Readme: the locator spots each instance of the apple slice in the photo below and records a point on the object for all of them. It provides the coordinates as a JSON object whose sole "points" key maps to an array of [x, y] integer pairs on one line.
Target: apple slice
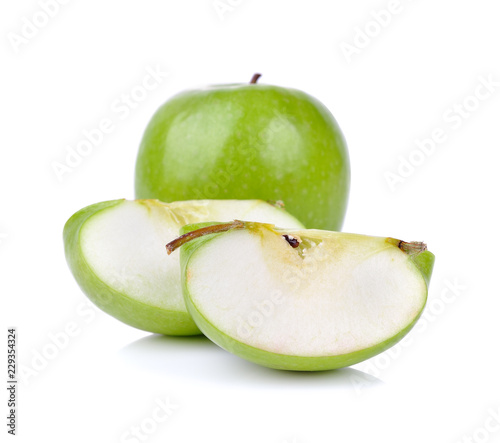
{"points": [[116, 251], [301, 300]]}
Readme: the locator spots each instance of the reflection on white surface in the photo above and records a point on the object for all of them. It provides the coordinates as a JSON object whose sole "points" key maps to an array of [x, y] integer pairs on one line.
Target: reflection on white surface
{"points": [[198, 358]]}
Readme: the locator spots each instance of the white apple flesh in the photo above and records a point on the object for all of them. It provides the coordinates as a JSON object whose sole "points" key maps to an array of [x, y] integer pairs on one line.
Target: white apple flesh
{"points": [[116, 251]]}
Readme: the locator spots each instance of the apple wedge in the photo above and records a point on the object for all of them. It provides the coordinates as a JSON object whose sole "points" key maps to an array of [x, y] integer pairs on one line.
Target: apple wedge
{"points": [[116, 251], [301, 300]]}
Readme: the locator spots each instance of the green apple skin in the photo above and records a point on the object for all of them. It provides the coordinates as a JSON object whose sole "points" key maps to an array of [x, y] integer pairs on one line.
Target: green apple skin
{"points": [[423, 264], [129, 311], [243, 142]]}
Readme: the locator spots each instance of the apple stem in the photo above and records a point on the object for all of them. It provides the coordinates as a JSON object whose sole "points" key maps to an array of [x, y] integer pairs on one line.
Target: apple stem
{"points": [[255, 78], [410, 248], [213, 229]]}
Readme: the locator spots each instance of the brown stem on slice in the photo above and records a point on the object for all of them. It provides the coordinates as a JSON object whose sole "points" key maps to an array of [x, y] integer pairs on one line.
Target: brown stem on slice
{"points": [[255, 78], [410, 248], [179, 241]]}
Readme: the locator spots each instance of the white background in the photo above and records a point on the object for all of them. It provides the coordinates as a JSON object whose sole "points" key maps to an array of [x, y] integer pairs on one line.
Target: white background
{"points": [[405, 83]]}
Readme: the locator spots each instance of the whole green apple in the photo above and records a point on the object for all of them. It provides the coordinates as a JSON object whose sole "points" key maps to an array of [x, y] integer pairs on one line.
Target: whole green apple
{"points": [[247, 141]]}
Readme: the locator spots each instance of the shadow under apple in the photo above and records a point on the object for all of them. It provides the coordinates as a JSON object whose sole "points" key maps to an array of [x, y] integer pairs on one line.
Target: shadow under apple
{"points": [[198, 358]]}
